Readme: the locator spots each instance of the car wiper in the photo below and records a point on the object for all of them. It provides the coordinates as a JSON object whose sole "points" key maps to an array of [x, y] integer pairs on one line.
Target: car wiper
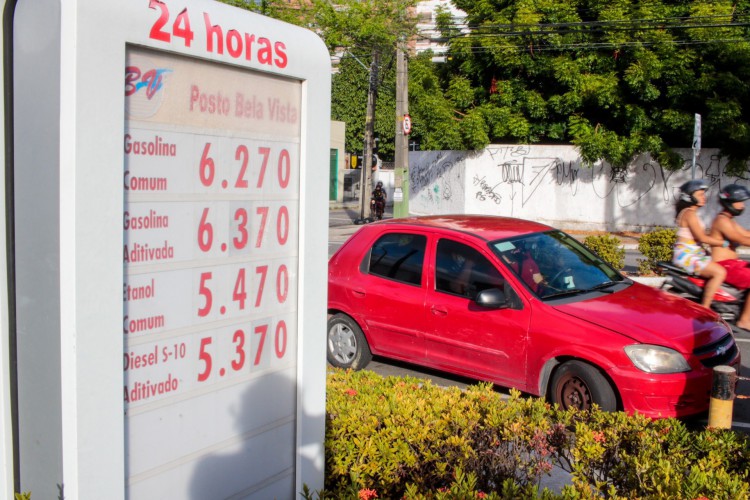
{"points": [[603, 286], [600, 287], [567, 293]]}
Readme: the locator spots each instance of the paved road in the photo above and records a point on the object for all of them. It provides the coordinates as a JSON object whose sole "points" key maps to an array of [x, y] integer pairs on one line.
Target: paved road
{"points": [[341, 227]]}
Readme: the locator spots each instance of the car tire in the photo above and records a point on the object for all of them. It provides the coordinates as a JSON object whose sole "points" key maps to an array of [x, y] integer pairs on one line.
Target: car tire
{"points": [[346, 344], [579, 385]]}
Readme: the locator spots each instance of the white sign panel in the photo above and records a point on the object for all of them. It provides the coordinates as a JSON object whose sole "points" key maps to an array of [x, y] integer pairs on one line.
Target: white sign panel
{"points": [[170, 175], [211, 183], [697, 133]]}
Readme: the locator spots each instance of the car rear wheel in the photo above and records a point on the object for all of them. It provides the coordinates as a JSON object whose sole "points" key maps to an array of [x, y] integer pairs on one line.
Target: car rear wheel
{"points": [[347, 346], [580, 385]]}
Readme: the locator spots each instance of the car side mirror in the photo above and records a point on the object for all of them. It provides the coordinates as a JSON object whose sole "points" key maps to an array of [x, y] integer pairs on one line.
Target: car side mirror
{"points": [[495, 298]]}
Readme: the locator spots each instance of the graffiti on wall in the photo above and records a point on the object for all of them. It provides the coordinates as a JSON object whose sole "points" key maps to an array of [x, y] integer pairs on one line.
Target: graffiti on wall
{"points": [[552, 183], [439, 182]]}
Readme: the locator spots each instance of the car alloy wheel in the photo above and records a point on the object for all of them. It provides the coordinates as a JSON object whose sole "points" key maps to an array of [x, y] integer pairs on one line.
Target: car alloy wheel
{"points": [[347, 346]]}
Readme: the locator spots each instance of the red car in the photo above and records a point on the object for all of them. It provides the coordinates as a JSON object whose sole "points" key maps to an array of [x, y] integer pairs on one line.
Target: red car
{"points": [[522, 305]]}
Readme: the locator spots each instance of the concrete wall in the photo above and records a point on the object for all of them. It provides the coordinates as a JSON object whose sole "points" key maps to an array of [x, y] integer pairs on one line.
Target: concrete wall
{"points": [[550, 184]]}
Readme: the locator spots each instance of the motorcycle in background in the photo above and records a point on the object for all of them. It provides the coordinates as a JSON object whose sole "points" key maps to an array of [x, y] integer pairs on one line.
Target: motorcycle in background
{"points": [[728, 301], [377, 207]]}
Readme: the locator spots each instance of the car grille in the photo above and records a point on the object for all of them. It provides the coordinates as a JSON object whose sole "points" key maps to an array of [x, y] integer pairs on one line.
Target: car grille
{"points": [[721, 352]]}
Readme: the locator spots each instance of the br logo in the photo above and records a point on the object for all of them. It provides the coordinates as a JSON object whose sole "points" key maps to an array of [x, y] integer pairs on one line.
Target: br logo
{"points": [[143, 86]]}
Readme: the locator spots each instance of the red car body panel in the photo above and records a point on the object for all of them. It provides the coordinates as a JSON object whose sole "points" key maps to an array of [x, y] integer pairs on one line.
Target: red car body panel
{"points": [[519, 347]]}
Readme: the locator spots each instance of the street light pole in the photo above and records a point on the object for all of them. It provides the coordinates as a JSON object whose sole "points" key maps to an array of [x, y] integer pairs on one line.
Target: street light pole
{"points": [[365, 184], [401, 168]]}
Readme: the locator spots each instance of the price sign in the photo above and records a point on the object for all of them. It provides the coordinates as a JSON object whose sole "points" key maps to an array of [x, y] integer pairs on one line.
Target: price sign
{"points": [[170, 280], [211, 183]]}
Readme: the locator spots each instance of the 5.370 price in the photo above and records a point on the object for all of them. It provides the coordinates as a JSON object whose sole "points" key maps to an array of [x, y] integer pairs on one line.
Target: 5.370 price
{"points": [[241, 355]]}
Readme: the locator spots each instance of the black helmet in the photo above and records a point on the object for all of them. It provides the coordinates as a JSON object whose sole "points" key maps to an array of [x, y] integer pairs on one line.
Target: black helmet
{"points": [[690, 187], [379, 184], [733, 193]]}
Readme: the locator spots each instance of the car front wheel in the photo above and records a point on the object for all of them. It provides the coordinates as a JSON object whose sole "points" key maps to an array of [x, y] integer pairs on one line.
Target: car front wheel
{"points": [[347, 346], [580, 385]]}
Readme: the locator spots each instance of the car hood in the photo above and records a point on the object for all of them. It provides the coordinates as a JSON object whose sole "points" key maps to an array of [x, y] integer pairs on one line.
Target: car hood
{"points": [[650, 316]]}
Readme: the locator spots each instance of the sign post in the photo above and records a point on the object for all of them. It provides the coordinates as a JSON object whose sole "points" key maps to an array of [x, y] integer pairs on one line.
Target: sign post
{"points": [[696, 143], [168, 250]]}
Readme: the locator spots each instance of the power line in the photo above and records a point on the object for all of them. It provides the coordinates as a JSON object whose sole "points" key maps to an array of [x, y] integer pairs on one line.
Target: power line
{"points": [[599, 45]]}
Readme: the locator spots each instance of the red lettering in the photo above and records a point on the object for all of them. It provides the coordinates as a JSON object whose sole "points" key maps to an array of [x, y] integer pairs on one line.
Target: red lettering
{"points": [[281, 59], [238, 44], [234, 43], [265, 53], [211, 31]]}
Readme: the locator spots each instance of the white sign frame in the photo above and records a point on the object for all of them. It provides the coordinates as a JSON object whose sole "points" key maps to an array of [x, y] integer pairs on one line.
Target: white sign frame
{"points": [[69, 119]]}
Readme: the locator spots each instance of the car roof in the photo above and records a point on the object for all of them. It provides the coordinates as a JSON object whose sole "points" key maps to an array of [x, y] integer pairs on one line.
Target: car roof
{"points": [[487, 227]]}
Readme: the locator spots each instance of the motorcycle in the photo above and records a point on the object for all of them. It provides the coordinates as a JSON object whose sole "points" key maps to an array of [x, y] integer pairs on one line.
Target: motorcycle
{"points": [[378, 206], [728, 301]]}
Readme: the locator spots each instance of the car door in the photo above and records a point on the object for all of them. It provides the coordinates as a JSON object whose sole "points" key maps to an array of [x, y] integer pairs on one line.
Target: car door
{"points": [[391, 295], [463, 337]]}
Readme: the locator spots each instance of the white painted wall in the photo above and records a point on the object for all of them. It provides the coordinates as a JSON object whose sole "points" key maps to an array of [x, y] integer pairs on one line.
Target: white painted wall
{"points": [[550, 184]]}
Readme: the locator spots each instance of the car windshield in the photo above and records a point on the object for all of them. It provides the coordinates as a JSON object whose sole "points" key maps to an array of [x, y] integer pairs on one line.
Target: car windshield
{"points": [[554, 265]]}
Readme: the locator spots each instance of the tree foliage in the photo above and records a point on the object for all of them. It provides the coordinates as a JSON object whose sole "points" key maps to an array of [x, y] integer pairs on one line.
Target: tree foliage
{"points": [[616, 78]]}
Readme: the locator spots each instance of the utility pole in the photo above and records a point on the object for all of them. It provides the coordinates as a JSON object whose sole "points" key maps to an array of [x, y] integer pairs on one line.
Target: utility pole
{"points": [[365, 183], [403, 127]]}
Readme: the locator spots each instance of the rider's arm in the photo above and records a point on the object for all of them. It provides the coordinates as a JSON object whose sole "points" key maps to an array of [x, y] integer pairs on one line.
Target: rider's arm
{"points": [[692, 222]]}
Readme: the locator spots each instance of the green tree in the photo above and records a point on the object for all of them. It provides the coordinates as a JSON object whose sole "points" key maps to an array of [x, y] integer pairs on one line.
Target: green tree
{"points": [[613, 77], [363, 35]]}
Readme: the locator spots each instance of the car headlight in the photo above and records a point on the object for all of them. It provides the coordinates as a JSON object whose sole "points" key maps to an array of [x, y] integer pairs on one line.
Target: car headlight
{"points": [[656, 359]]}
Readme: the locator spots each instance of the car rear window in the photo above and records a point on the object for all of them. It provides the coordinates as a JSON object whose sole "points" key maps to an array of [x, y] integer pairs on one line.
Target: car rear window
{"points": [[398, 256]]}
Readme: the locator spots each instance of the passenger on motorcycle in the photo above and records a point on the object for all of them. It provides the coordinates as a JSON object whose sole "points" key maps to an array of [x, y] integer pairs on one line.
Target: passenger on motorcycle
{"points": [[725, 227], [377, 201], [691, 235]]}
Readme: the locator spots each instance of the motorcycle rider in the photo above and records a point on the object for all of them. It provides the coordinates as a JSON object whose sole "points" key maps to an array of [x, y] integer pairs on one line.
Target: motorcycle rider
{"points": [[732, 199], [377, 200], [691, 235]]}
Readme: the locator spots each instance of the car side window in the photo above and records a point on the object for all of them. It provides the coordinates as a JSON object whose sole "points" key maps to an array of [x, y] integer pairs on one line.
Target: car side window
{"points": [[462, 270], [399, 256]]}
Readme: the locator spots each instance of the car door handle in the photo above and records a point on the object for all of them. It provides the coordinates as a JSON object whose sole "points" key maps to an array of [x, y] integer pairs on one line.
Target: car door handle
{"points": [[358, 292], [439, 311]]}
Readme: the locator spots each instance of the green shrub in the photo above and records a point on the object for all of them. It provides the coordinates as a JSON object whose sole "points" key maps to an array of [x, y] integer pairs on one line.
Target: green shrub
{"points": [[407, 438], [655, 246], [608, 248]]}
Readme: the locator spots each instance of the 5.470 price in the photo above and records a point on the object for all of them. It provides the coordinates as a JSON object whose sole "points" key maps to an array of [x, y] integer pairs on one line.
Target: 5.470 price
{"points": [[239, 292], [240, 355]]}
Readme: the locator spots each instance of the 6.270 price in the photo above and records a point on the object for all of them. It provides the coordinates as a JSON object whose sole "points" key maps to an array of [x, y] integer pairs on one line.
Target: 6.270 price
{"points": [[207, 167]]}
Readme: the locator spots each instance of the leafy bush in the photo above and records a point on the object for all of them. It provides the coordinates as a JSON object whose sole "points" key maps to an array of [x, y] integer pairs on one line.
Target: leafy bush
{"points": [[655, 246], [407, 438], [608, 248]]}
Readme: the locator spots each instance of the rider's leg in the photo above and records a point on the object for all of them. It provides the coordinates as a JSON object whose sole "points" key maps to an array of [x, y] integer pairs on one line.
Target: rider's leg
{"points": [[714, 274], [744, 320], [738, 275]]}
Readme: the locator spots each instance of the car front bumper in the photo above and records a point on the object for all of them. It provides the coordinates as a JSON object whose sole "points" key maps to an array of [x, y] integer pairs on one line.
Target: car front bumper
{"points": [[666, 395]]}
